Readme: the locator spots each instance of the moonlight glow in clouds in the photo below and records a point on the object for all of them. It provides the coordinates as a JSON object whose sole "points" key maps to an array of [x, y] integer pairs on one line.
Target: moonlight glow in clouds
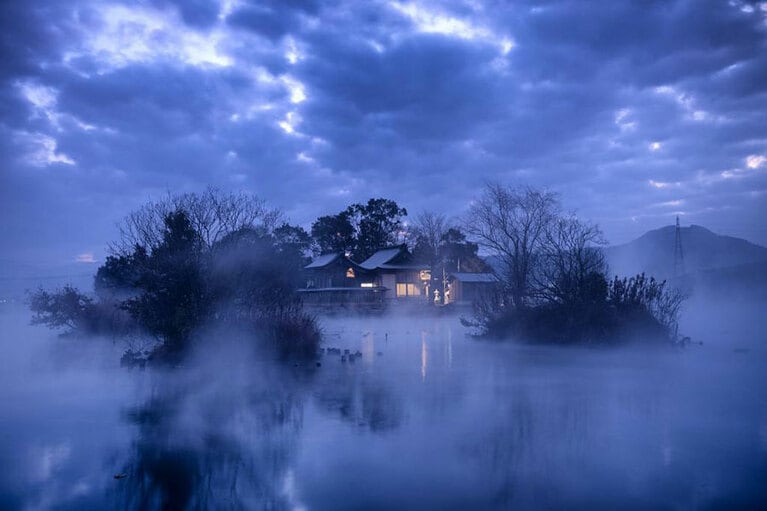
{"points": [[635, 113]]}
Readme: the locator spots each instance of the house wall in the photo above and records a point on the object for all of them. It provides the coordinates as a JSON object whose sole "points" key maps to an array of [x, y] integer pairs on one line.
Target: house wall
{"points": [[404, 284], [335, 275], [321, 279], [332, 298], [388, 280], [456, 291], [472, 291], [469, 292]]}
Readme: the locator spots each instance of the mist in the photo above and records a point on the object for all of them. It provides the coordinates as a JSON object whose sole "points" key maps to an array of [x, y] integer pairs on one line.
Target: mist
{"points": [[401, 254], [424, 417]]}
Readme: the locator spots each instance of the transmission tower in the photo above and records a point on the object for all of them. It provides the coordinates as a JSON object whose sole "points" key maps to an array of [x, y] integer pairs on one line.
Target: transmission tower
{"points": [[678, 253]]}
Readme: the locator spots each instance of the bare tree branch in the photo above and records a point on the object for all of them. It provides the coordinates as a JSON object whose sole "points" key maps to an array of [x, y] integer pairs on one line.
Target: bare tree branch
{"points": [[510, 223], [213, 214]]}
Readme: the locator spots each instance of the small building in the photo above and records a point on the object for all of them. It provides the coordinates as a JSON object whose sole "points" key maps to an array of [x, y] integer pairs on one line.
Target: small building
{"points": [[397, 273], [469, 288]]}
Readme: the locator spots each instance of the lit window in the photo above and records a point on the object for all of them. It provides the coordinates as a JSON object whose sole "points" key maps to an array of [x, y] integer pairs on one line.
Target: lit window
{"points": [[366, 284], [406, 289], [350, 273]]}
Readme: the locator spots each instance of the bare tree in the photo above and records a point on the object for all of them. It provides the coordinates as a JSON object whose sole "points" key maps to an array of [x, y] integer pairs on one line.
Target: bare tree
{"points": [[426, 233], [511, 224], [212, 213], [572, 264]]}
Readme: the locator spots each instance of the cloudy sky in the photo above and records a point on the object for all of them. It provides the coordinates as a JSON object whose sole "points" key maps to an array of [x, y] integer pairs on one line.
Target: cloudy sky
{"points": [[633, 111]]}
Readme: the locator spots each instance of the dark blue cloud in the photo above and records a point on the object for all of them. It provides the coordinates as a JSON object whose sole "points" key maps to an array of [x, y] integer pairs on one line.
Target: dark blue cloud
{"points": [[272, 19], [196, 13], [633, 111]]}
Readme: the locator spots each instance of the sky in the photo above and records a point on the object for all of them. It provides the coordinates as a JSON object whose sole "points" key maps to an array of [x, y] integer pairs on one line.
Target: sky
{"points": [[633, 111]]}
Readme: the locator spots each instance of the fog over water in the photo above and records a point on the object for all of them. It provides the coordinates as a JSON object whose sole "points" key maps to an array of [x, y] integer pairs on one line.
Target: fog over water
{"points": [[426, 417]]}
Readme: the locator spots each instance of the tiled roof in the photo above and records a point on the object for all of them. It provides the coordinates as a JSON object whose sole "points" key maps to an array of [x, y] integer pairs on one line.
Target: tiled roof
{"points": [[380, 258], [322, 261]]}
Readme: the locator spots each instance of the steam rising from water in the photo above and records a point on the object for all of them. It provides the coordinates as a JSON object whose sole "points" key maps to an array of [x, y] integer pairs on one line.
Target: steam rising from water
{"points": [[424, 418]]}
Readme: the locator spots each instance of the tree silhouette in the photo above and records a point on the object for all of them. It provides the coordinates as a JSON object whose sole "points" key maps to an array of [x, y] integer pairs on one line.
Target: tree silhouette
{"points": [[360, 229]]}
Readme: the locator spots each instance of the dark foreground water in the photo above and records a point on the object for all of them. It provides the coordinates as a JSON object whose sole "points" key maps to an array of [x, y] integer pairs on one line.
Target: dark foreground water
{"points": [[425, 418]]}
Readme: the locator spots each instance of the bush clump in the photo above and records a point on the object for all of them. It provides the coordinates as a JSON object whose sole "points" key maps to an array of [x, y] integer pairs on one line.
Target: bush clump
{"points": [[628, 309]]}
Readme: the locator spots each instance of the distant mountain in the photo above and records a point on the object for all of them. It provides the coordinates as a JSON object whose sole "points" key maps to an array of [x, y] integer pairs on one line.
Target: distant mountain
{"points": [[653, 252]]}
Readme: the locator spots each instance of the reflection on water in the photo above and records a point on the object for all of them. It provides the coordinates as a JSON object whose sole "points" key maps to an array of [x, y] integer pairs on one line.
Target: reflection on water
{"points": [[424, 356], [423, 418], [229, 444]]}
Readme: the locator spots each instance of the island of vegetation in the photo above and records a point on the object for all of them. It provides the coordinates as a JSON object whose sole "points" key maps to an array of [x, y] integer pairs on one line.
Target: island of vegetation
{"points": [[194, 261], [555, 284]]}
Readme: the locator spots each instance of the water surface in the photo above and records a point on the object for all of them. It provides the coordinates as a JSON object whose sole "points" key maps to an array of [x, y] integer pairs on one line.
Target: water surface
{"points": [[425, 417]]}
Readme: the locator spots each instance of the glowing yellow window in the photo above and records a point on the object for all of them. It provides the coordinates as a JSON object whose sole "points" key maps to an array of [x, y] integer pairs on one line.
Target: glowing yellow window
{"points": [[408, 289], [350, 273]]}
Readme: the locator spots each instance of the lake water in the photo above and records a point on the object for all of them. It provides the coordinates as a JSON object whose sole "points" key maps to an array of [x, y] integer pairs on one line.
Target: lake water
{"points": [[424, 418]]}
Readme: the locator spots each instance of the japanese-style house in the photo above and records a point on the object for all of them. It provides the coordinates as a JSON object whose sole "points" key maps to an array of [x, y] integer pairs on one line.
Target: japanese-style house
{"points": [[389, 274]]}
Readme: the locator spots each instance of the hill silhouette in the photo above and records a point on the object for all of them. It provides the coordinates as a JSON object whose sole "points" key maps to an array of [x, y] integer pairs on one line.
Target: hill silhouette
{"points": [[704, 250]]}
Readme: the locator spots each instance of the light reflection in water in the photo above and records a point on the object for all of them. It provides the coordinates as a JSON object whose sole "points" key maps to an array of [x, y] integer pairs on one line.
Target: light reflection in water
{"points": [[368, 348], [497, 426], [424, 356]]}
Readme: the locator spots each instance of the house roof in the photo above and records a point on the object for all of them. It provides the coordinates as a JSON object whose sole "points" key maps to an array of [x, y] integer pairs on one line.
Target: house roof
{"points": [[381, 257], [404, 267], [475, 277], [322, 261]]}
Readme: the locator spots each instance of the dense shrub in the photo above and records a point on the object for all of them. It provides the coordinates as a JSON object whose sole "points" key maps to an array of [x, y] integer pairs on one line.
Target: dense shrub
{"points": [[66, 308], [293, 333], [70, 310], [629, 309]]}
